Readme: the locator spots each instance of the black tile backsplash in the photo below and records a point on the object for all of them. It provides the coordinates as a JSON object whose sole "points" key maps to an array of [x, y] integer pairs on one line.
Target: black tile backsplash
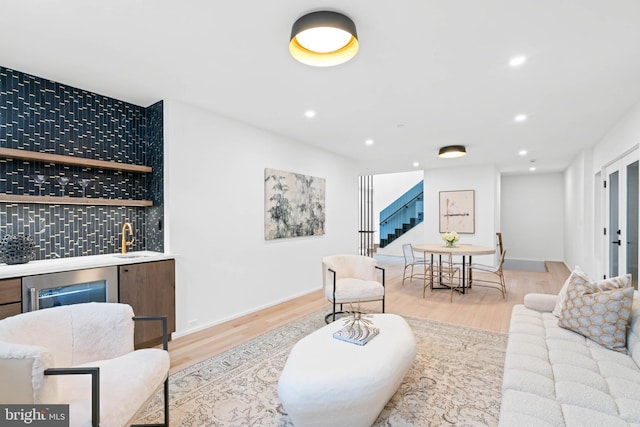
{"points": [[155, 192], [48, 117]]}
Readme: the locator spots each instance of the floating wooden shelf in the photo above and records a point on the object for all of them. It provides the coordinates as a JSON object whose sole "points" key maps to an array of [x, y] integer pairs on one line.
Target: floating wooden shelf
{"points": [[11, 153], [52, 200]]}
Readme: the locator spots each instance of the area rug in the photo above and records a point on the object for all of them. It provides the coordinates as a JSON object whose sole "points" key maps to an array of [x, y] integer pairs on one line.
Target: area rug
{"points": [[455, 380]]}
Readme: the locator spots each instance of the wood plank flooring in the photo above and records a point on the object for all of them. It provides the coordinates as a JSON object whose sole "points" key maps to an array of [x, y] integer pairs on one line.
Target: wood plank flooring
{"points": [[482, 308]]}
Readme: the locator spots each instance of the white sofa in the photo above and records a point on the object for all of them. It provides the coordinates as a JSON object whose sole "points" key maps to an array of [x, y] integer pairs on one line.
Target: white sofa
{"points": [[555, 377], [79, 336]]}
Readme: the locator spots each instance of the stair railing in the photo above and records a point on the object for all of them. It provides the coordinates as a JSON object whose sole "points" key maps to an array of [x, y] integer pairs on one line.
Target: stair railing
{"points": [[403, 214]]}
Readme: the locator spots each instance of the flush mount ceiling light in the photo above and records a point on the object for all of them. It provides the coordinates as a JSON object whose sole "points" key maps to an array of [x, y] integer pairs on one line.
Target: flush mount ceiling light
{"points": [[451, 151], [323, 39]]}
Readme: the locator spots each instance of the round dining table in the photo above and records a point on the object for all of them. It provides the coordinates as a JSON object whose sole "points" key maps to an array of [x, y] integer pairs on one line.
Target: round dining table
{"points": [[460, 249]]}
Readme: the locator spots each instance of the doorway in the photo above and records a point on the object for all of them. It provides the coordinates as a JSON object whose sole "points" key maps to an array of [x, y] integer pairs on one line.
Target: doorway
{"points": [[621, 211]]}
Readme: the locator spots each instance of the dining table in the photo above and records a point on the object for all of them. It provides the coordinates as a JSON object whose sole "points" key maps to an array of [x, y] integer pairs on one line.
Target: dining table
{"points": [[460, 249]]}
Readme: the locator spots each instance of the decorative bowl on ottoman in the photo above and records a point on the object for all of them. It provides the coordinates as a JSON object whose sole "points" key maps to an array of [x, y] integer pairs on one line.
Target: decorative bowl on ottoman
{"points": [[329, 382], [16, 249]]}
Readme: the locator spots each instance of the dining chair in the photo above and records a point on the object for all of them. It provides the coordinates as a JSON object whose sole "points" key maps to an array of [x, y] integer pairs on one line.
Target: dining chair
{"points": [[443, 271], [494, 277], [411, 261], [499, 242]]}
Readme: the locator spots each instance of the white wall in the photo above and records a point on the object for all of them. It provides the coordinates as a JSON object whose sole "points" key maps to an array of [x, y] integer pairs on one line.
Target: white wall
{"points": [[214, 196], [484, 180], [584, 238], [622, 138], [580, 214], [532, 216]]}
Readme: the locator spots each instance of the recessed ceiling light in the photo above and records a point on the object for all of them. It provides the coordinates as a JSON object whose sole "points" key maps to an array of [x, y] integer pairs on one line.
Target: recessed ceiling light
{"points": [[517, 61], [309, 114], [532, 168], [416, 164], [520, 118], [369, 141], [522, 152]]}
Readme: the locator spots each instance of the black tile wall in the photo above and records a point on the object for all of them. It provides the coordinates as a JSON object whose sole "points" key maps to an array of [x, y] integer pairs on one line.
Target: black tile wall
{"points": [[45, 116], [69, 231], [155, 159]]}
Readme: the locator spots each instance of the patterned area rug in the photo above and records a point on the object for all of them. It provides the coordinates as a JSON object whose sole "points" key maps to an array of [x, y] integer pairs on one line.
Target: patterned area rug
{"points": [[455, 380]]}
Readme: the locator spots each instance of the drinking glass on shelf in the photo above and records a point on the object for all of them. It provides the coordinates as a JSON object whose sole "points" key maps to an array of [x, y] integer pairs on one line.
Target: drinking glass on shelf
{"points": [[84, 183], [63, 181], [39, 180]]}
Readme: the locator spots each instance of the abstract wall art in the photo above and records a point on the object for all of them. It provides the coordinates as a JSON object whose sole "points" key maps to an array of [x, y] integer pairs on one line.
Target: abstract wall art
{"points": [[457, 211], [294, 205]]}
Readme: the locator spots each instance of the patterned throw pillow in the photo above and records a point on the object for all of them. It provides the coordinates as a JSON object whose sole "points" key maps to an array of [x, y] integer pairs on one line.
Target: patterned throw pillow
{"points": [[599, 310], [577, 273]]}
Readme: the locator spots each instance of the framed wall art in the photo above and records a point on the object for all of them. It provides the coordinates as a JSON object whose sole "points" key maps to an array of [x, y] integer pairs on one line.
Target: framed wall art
{"points": [[294, 205], [457, 211]]}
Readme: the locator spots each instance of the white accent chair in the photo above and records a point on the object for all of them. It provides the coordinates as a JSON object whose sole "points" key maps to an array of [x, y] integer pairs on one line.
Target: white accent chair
{"points": [[351, 279], [81, 355]]}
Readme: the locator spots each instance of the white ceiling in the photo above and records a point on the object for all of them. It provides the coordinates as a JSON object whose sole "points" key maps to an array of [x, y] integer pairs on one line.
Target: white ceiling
{"points": [[429, 73]]}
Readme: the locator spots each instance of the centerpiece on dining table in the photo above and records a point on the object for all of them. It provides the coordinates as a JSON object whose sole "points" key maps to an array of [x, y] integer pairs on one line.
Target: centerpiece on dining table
{"points": [[450, 238]]}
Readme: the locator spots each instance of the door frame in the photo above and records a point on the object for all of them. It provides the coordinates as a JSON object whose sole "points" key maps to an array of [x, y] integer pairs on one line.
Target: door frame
{"points": [[619, 165]]}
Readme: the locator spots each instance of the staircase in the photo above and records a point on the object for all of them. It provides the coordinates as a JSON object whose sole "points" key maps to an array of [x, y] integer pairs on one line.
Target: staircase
{"points": [[402, 215]]}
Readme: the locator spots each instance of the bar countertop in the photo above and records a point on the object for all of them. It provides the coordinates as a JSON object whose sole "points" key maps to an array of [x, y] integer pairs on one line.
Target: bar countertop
{"points": [[78, 263]]}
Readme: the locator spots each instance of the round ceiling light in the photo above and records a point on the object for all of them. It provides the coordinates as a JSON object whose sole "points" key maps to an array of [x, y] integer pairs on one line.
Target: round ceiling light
{"points": [[517, 61], [452, 151], [323, 39]]}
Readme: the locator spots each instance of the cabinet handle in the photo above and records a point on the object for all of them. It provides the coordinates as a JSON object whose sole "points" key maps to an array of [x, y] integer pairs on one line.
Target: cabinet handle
{"points": [[126, 270], [33, 299]]}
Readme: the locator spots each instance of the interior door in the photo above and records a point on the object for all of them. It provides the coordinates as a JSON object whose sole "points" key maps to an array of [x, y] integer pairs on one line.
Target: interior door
{"points": [[622, 203]]}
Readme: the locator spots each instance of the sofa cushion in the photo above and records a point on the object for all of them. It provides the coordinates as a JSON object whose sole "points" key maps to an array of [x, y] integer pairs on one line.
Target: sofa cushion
{"points": [[127, 384], [355, 290], [601, 315], [633, 334], [540, 302]]}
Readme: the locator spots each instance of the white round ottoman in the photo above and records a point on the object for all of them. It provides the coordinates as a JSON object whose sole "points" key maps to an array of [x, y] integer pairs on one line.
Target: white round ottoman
{"points": [[328, 382]]}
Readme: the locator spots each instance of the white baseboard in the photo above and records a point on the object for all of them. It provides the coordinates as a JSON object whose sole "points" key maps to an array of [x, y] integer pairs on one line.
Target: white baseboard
{"points": [[198, 328]]}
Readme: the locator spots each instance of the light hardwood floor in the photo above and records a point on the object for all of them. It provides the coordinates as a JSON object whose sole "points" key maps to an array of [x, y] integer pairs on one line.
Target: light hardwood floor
{"points": [[482, 308]]}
